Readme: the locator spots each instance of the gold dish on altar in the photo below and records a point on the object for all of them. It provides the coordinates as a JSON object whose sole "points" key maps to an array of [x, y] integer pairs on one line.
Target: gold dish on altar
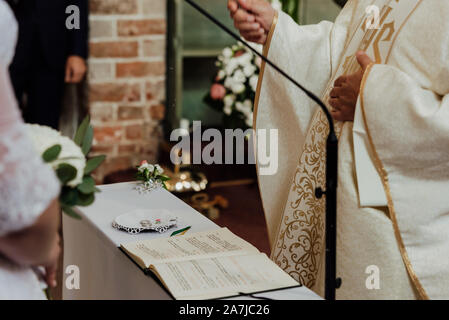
{"points": [[186, 181]]}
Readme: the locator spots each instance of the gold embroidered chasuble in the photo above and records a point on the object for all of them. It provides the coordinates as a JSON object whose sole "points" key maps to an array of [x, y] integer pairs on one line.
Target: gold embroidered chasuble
{"points": [[403, 102]]}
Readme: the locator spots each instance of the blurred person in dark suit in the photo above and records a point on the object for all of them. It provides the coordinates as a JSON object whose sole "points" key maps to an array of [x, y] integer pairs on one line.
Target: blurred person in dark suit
{"points": [[47, 55]]}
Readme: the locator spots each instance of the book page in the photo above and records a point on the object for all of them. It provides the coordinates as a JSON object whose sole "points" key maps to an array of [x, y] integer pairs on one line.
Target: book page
{"points": [[222, 276], [209, 244]]}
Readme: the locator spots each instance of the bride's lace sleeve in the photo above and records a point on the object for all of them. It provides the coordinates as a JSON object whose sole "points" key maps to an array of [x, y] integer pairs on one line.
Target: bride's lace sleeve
{"points": [[8, 25], [27, 185]]}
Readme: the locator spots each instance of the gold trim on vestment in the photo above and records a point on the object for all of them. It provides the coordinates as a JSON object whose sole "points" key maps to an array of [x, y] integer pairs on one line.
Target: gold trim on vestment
{"points": [[384, 177]]}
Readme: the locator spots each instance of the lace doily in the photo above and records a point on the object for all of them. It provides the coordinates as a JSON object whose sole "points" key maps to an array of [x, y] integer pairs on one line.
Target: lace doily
{"points": [[161, 229], [145, 220]]}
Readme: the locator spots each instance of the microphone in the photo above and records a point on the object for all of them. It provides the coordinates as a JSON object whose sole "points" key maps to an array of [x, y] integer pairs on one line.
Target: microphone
{"points": [[331, 281]]}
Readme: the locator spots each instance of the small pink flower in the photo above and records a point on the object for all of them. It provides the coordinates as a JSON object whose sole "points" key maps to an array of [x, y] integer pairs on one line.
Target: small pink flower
{"points": [[143, 162], [217, 91]]}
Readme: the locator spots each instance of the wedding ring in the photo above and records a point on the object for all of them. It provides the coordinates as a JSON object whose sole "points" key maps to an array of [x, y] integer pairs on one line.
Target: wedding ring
{"points": [[145, 223]]}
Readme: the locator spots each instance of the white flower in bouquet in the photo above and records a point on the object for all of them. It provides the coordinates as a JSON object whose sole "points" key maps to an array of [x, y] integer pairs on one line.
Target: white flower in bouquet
{"points": [[231, 66], [245, 107], [245, 59], [152, 169], [229, 82], [238, 88], [159, 170], [229, 100], [239, 77], [249, 70], [44, 138], [235, 84], [253, 82], [227, 110], [146, 166], [227, 53]]}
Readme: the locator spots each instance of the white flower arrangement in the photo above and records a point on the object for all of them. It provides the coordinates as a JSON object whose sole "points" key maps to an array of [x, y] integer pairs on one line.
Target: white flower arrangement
{"points": [[68, 159], [44, 138], [152, 177], [235, 85]]}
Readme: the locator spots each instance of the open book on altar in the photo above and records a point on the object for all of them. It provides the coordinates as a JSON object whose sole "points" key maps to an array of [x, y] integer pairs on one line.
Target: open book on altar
{"points": [[208, 265]]}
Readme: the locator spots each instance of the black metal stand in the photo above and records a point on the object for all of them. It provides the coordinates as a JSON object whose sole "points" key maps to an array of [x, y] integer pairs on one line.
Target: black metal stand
{"points": [[331, 282]]}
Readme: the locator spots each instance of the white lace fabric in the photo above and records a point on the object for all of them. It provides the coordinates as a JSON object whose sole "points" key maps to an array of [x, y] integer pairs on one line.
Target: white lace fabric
{"points": [[8, 36]]}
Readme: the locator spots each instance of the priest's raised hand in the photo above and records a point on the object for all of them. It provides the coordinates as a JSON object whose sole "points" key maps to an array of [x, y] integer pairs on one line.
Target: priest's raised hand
{"points": [[344, 95], [253, 18]]}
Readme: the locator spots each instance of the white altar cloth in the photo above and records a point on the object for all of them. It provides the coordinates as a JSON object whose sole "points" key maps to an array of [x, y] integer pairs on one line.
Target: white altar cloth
{"points": [[91, 244]]}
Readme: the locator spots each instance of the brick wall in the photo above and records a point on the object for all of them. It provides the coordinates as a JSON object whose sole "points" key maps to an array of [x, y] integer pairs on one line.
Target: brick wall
{"points": [[126, 80]]}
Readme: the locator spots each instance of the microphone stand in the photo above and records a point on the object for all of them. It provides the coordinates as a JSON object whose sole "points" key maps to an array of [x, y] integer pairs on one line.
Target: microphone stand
{"points": [[331, 282]]}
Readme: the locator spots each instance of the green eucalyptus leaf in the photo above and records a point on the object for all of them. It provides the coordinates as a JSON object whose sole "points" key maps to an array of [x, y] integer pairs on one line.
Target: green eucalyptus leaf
{"points": [[52, 153], [87, 186], [66, 173], [70, 212], [93, 164], [85, 200], [81, 132], [68, 197], [87, 140], [163, 177]]}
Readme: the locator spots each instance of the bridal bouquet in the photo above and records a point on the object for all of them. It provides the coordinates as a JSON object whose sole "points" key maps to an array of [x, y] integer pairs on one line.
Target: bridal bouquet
{"points": [[68, 159], [234, 87]]}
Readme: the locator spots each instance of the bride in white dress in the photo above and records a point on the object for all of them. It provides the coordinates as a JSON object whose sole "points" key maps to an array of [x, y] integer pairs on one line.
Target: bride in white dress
{"points": [[29, 215]]}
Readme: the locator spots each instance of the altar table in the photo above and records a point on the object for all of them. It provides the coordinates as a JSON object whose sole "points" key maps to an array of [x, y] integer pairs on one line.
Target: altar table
{"points": [[91, 245]]}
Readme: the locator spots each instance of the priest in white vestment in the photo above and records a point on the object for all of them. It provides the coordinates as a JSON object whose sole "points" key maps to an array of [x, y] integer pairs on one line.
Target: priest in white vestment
{"points": [[383, 70]]}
